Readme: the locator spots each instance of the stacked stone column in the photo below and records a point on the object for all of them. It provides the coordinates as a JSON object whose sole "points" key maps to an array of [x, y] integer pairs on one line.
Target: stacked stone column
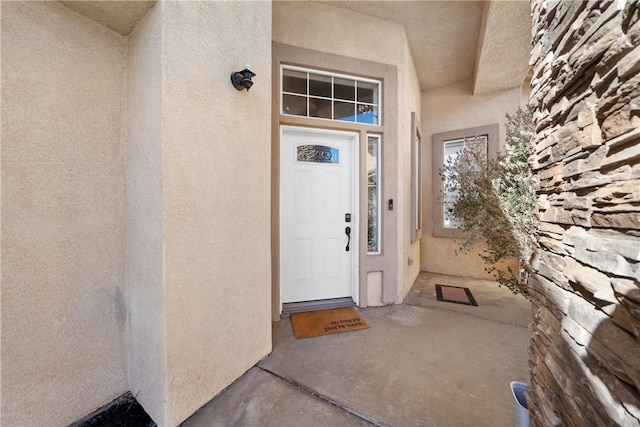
{"points": [[585, 346]]}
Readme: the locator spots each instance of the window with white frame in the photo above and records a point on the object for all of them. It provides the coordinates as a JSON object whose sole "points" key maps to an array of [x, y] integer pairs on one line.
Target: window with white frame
{"points": [[323, 95], [416, 179], [446, 146], [373, 193], [452, 149]]}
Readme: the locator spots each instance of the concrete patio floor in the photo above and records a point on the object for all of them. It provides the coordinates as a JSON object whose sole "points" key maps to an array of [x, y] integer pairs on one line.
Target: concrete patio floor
{"points": [[422, 363]]}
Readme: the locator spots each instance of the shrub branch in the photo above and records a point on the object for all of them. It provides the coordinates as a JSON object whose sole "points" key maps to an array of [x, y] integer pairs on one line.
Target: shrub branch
{"points": [[495, 202]]}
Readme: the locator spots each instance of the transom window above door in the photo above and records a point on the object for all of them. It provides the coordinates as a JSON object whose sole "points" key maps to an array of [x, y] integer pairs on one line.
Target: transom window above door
{"points": [[322, 95]]}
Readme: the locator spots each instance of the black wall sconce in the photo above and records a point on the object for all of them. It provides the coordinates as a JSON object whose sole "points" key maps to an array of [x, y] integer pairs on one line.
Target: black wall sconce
{"points": [[242, 79]]}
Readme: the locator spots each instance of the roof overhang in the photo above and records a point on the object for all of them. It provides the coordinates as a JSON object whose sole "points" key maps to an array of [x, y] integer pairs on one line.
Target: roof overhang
{"points": [[487, 43], [502, 57]]}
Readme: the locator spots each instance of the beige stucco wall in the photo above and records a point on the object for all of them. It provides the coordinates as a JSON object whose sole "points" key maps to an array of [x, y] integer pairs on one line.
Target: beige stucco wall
{"points": [[63, 206], [145, 256], [335, 30], [217, 201], [338, 31], [410, 101], [86, 115], [447, 109]]}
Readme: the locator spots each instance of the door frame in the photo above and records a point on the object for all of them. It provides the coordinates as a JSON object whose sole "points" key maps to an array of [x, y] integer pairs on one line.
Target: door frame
{"points": [[355, 200], [375, 270]]}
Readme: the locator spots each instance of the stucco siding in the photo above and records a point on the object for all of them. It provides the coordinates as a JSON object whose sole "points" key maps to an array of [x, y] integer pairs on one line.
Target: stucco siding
{"points": [[217, 203], [410, 98], [448, 109], [145, 240], [63, 231], [339, 31]]}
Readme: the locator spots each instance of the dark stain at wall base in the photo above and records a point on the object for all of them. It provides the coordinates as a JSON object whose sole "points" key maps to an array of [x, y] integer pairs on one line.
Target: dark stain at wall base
{"points": [[125, 411]]}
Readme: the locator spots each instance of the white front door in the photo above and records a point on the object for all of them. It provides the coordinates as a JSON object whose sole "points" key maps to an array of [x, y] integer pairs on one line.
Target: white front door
{"points": [[317, 196]]}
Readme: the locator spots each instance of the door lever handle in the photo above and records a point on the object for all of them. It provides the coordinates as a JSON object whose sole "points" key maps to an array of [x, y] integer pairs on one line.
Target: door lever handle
{"points": [[347, 231]]}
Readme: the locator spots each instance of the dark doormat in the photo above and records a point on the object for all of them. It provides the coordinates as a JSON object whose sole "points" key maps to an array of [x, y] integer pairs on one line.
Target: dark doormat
{"points": [[325, 322], [455, 294]]}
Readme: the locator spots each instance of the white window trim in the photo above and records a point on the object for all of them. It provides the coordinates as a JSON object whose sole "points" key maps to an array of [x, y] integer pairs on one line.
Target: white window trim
{"points": [[357, 79], [379, 194], [492, 132], [416, 179]]}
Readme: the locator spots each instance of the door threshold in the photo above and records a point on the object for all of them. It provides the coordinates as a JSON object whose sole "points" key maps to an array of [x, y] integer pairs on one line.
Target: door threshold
{"points": [[324, 304]]}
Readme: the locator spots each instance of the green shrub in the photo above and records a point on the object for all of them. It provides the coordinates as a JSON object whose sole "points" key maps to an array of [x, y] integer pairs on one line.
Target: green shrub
{"points": [[495, 203]]}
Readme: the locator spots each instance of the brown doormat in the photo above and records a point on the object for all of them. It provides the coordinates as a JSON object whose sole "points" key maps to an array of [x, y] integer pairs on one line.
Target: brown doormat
{"points": [[326, 322], [455, 294]]}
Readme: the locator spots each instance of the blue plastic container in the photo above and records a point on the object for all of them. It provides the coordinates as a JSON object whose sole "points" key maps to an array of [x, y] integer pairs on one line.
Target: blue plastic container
{"points": [[520, 409]]}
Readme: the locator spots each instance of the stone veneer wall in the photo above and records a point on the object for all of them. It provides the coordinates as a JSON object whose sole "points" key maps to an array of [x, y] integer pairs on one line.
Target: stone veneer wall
{"points": [[585, 347]]}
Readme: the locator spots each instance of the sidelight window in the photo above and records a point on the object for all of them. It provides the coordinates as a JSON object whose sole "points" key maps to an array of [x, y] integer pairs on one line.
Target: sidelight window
{"points": [[373, 194]]}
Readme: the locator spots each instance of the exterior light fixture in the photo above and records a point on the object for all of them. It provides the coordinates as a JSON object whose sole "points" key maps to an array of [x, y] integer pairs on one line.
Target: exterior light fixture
{"points": [[242, 79]]}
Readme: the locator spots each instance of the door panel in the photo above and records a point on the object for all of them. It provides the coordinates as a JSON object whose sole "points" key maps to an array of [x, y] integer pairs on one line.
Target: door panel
{"points": [[316, 191], [331, 206], [332, 258], [303, 257], [304, 203]]}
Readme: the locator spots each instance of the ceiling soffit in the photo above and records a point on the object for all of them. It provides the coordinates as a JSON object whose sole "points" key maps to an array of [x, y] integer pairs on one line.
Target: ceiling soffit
{"points": [[484, 42], [450, 41], [120, 16], [504, 47], [442, 35]]}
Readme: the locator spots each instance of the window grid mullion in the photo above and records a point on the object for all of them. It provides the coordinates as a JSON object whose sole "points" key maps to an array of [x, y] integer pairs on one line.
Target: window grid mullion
{"points": [[308, 104], [333, 97]]}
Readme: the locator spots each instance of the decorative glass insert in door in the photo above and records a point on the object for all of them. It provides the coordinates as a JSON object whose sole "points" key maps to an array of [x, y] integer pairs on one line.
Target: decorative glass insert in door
{"points": [[373, 194], [317, 154], [331, 96]]}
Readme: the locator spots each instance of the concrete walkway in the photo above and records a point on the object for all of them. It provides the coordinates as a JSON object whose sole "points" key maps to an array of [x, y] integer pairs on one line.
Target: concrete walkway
{"points": [[422, 363]]}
